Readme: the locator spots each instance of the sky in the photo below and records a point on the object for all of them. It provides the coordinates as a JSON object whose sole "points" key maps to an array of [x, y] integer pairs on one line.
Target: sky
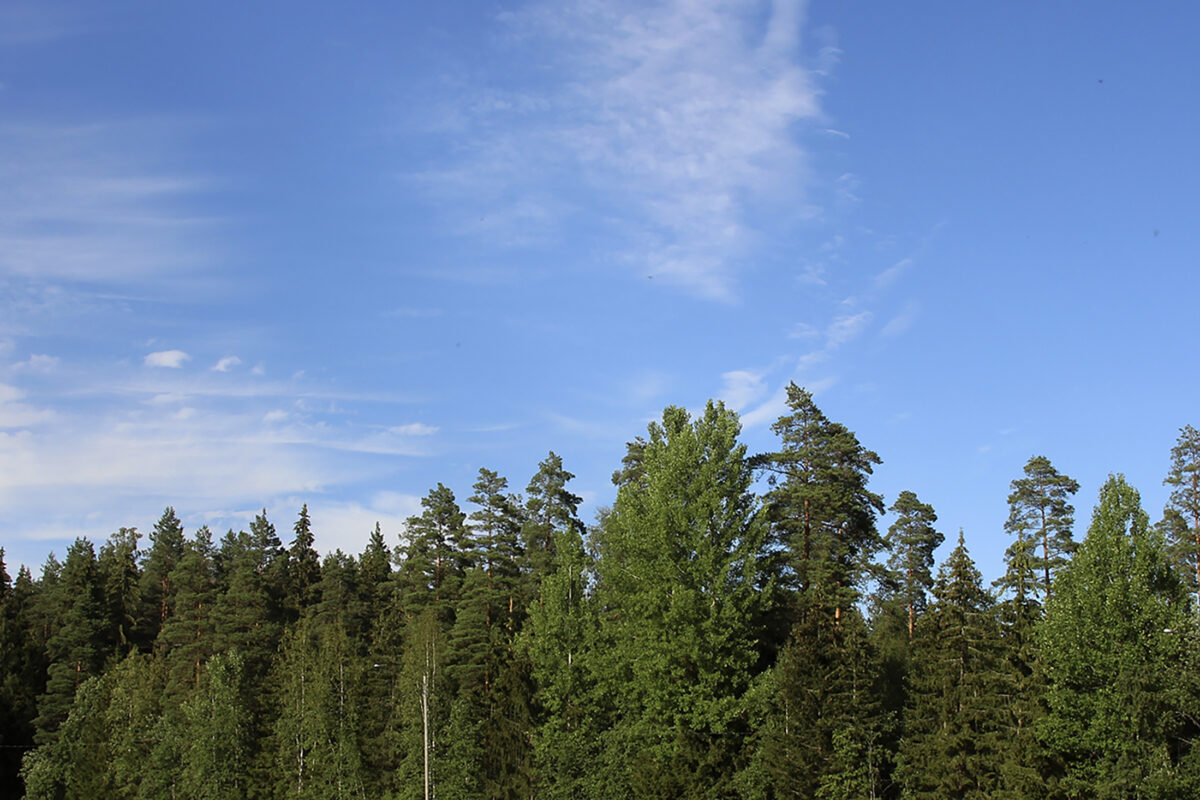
{"points": [[259, 255]]}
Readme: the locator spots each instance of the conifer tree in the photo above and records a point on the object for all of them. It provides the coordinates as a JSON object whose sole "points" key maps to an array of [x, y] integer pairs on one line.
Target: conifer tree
{"points": [[1040, 514], [549, 508], [186, 639], [1183, 508], [819, 503], [375, 566], [303, 569], [75, 648], [912, 540], [952, 746], [119, 578], [437, 550], [20, 682], [823, 701], [166, 548]]}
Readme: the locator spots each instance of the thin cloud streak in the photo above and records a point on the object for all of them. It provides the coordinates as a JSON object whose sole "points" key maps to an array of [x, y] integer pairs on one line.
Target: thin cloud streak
{"points": [[679, 119]]}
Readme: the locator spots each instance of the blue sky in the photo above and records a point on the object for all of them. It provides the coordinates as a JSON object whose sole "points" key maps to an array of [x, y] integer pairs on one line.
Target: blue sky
{"points": [[257, 255]]}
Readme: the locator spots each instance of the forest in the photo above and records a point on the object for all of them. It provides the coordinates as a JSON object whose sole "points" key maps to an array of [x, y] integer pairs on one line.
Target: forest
{"points": [[735, 625]]}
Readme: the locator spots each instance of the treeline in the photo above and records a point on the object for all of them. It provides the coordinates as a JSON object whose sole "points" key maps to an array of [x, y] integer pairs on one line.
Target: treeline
{"points": [[735, 626]]}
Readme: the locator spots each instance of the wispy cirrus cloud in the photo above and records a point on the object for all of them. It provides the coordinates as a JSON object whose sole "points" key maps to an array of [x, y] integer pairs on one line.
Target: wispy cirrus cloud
{"points": [[677, 118], [88, 202]]}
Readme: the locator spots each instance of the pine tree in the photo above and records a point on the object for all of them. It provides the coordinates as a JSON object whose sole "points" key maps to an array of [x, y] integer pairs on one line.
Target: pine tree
{"points": [[549, 508], [912, 540], [75, 649], [186, 640], [434, 559], [1041, 515], [1183, 509], [819, 503], [119, 578]]}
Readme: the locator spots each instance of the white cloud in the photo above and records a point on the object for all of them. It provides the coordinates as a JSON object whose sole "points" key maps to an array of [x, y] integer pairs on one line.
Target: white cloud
{"points": [[892, 273], [348, 526], [847, 327], [742, 387], [677, 117], [902, 321], [803, 330], [227, 363], [84, 202], [173, 359], [38, 363], [414, 429]]}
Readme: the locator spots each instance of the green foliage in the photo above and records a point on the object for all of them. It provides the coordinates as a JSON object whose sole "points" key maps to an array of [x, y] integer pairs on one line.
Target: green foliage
{"points": [[1182, 517], [1040, 517], [680, 582], [956, 719], [819, 503], [912, 540], [1116, 628]]}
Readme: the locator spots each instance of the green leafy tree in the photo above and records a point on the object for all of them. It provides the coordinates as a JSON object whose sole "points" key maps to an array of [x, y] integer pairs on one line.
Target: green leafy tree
{"points": [[316, 731], [1112, 639], [217, 759], [1040, 517], [680, 579], [556, 638]]}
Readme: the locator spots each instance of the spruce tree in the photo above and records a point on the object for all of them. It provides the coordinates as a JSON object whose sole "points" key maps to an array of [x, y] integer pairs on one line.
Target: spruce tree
{"points": [[303, 569], [954, 723], [166, 548]]}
